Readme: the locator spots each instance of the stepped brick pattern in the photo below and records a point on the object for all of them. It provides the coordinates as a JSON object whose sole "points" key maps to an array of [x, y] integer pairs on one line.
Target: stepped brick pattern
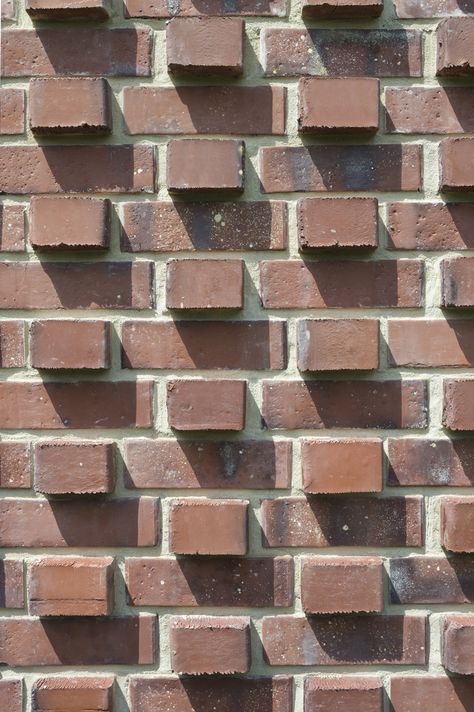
{"points": [[237, 356]]}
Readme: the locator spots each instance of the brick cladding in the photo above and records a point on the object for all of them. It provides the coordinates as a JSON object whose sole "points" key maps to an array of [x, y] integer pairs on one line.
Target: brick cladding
{"points": [[236, 352]]}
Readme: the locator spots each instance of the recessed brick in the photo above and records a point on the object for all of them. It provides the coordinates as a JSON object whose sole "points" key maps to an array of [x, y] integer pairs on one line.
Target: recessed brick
{"points": [[73, 693], [425, 693], [205, 46], [69, 223], [74, 467], [11, 585], [12, 111], [458, 403], [337, 223], [457, 643], [455, 37], [205, 165], [205, 284], [12, 228], [205, 644], [208, 526], [206, 404], [329, 9], [431, 462], [342, 465], [338, 105], [357, 694], [338, 344], [457, 163], [70, 10], [12, 344], [15, 465], [66, 344], [457, 524]]}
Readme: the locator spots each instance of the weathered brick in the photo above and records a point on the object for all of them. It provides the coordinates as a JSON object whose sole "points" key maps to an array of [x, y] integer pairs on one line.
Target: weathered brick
{"points": [[205, 46], [333, 520], [424, 110], [407, 9], [12, 228], [15, 465], [198, 8], [11, 585], [337, 344], [205, 165], [208, 526], [60, 523], [457, 163], [94, 694], [205, 644], [455, 37], [337, 223], [359, 694], [342, 465], [430, 226], [338, 105], [206, 404], [69, 223], [12, 111], [458, 403], [432, 579], [74, 467], [439, 463], [250, 582], [423, 693], [457, 640], [457, 524], [12, 344], [205, 284], [244, 464], [66, 344], [11, 690]]}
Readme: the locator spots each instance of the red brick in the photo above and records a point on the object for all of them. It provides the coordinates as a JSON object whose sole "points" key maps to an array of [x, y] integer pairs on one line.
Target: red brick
{"points": [[12, 344], [457, 524], [357, 694], [77, 51], [75, 694], [74, 467], [11, 692], [457, 163], [424, 110], [432, 579], [36, 405], [208, 526], [70, 106], [289, 52], [205, 46], [75, 285], [193, 8], [69, 223], [226, 694], [338, 344], [167, 464], [342, 584], [76, 169], [12, 111], [455, 37], [206, 404], [71, 586], [205, 165], [202, 110], [60, 523], [323, 169], [293, 405], [337, 223], [15, 465], [338, 104], [439, 463], [12, 228], [177, 227], [252, 345], [407, 9], [431, 342], [205, 284], [69, 10], [351, 284], [342, 465], [458, 403], [430, 226], [27, 642], [11, 585], [329, 9], [251, 582], [424, 693], [457, 282], [336, 640], [334, 520], [205, 644], [66, 344], [457, 643]]}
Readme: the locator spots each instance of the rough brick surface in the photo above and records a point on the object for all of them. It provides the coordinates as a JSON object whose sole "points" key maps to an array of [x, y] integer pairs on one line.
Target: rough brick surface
{"points": [[94, 694], [330, 223], [69, 223], [71, 10], [205, 165], [62, 344], [205, 46], [337, 105], [74, 467], [360, 694], [457, 639], [208, 526], [12, 111], [455, 48], [338, 344], [456, 164], [430, 226]]}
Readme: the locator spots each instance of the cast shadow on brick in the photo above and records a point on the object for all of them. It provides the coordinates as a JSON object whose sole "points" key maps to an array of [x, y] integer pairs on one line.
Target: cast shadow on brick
{"points": [[438, 581], [459, 99]]}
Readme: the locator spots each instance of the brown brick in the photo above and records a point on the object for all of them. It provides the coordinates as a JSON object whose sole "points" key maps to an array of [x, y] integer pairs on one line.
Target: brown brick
{"points": [[69, 223], [76, 169], [251, 582], [182, 694], [455, 37], [11, 690], [323, 169], [344, 404], [205, 46], [342, 465], [458, 403], [334, 520], [457, 643], [201, 110], [12, 344], [342, 584], [424, 110], [424, 693], [36, 405], [167, 464], [74, 467], [338, 344], [60, 523], [338, 105], [336, 640], [457, 524], [11, 585], [252, 345], [208, 526], [69, 10], [67, 344], [27, 642], [15, 465], [12, 228], [457, 282], [75, 285], [205, 284], [407, 9], [205, 165], [349, 284], [430, 226], [336, 52], [337, 223], [357, 694], [205, 644], [75, 694], [431, 342], [329, 9], [457, 163], [176, 227], [209, 404], [71, 586], [439, 463], [12, 111], [77, 51], [193, 8], [432, 579]]}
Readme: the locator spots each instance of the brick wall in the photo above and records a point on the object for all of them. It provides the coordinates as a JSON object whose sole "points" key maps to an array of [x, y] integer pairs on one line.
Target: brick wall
{"points": [[236, 351]]}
